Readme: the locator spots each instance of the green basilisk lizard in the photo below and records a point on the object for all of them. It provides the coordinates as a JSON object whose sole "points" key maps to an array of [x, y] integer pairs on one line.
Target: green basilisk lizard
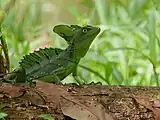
{"points": [[56, 62]]}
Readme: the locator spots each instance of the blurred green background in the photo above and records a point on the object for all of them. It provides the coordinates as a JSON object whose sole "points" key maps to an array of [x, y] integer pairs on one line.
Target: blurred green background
{"points": [[126, 52]]}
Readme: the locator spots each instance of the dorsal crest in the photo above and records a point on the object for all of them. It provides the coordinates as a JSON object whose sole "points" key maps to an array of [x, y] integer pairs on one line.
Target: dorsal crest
{"points": [[39, 59]]}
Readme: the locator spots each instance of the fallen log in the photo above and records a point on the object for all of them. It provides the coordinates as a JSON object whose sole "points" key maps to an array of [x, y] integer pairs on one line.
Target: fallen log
{"points": [[87, 102]]}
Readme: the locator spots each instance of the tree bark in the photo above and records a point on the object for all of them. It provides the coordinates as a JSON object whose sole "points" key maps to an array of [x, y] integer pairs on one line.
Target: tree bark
{"points": [[88, 102]]}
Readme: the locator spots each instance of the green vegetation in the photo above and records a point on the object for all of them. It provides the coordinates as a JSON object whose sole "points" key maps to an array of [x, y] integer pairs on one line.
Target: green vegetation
{"points": [[46, 117], [3, 115], [127, 52]]}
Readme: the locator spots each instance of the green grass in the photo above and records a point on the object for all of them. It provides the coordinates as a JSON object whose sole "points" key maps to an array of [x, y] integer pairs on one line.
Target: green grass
{"points": [[3, 115], [19, 28], [127, 51], [46, 117]]}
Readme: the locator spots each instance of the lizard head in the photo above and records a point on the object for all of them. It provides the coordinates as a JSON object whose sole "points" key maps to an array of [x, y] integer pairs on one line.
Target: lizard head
{"points": [[66, 32], [78, 37], [83, 38]]}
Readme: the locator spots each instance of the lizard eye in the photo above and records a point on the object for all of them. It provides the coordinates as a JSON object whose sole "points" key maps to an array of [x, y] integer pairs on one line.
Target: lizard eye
{"points": [[84, 30]]}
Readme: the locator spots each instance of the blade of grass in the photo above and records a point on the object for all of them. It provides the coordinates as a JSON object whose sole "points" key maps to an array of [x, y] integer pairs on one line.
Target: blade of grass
{"points": [[145, 56], [100, 6], [152, 37], [95, 73], [5, 50]]}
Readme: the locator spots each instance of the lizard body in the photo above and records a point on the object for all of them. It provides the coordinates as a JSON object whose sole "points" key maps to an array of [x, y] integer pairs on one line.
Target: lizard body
{"points": [[56, 62]]}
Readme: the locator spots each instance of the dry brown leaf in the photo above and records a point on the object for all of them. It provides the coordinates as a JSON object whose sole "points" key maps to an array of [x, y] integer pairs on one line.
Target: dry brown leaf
{"points": [[156, 103], [86, 110], [145, 101]]}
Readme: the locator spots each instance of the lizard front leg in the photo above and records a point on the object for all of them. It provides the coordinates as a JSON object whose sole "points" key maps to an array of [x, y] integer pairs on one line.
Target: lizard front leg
{"points": [[74, 74]]}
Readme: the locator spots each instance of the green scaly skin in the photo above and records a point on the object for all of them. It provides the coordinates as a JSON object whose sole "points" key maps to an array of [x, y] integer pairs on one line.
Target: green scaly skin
{"points": [[47, 62], [66, 32]]}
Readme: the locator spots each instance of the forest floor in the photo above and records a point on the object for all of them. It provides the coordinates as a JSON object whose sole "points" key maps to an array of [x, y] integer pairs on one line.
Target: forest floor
{"points": [[73, 102]]}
